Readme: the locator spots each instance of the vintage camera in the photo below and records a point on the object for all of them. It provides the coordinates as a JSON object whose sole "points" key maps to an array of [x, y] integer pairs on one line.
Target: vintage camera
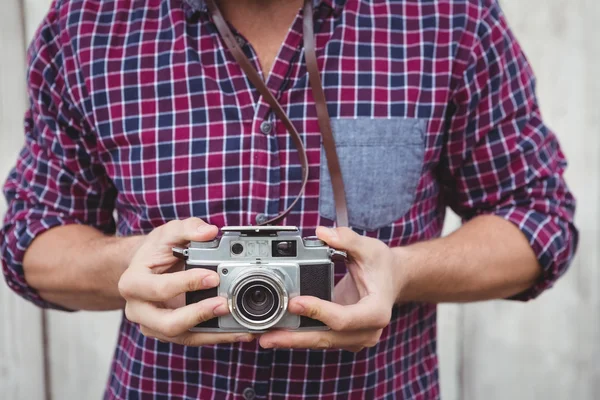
{"points": [[260, 270]]}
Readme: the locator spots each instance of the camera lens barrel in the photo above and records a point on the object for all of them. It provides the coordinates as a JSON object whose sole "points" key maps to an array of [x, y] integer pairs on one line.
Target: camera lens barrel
{"points": [[258, 299]]}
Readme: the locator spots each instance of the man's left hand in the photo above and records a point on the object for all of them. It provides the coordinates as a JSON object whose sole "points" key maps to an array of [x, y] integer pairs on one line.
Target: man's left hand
{"points": [[363, 299]]}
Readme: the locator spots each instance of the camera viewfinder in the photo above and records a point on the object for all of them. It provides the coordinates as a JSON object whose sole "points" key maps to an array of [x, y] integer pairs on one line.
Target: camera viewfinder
{"points": [[285, 248]]}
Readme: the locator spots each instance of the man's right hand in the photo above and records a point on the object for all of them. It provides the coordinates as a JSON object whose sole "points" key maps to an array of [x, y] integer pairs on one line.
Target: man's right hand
{"points": [[155, 284]]}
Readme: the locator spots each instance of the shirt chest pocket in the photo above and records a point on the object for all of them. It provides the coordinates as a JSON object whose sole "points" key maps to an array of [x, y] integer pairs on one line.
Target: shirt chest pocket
{"points": [[381, 162]]}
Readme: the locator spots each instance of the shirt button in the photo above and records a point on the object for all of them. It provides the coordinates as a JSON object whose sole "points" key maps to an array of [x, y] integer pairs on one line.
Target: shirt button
{"points": [[240, 41], [249, 393], [266, 127], [261, 219]]}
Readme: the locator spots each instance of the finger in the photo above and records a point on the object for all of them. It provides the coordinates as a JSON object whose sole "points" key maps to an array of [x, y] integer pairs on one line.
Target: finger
{"points": [[198, 339], [162, 287], [341, 238], [183, 231], [171, 323], [366, 314], [323, 340]]}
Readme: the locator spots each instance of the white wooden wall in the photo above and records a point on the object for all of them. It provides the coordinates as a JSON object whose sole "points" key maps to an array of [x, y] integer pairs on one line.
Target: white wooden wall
{"points": [[547, 349], [21, 361]]}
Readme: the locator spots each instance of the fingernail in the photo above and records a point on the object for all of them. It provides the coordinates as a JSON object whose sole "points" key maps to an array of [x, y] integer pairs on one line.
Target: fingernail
{"points": [[210, 281], [221, 310], [244, 338], [206, 228]]}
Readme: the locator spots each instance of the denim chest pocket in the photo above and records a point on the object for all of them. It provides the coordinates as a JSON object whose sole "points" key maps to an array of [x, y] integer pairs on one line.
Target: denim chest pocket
{"points": [[381, 162]]}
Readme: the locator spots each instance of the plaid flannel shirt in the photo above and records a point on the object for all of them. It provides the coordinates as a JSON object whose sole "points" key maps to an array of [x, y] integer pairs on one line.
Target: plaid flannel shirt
{"points": [[137, 107]]}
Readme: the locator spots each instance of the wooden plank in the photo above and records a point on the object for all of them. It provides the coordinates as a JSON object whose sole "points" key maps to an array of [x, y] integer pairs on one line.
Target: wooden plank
{"points": [[549, 349], [21, 357], [35, 11], [21, 360], [81, 350], [450, 324]]}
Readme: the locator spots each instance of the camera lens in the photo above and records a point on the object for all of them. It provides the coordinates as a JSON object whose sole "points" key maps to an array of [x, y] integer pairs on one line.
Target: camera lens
{"points": [[237, 249], [258, 296], [258, 301]]}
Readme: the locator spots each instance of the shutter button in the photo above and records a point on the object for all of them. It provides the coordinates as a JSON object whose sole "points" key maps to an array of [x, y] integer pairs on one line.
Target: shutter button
{"points": [[313, 241], [261, 219], [249, 394], [266, 127]]}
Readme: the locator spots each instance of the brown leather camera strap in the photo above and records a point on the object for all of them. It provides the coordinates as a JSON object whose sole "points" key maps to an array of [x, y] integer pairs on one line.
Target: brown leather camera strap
{"points": [[333, 163]]}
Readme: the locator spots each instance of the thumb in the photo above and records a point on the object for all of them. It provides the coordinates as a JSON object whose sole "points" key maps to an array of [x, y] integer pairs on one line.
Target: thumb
{"points": [[179, 232], [340, 238]]}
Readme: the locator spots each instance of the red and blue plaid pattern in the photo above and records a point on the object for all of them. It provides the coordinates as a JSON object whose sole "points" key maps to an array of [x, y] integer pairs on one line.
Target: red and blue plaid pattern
{"points": [[137, 107]]}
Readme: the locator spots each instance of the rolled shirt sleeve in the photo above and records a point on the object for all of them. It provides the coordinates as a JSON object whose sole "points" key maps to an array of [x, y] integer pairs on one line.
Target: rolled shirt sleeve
{"points": [[58, 179], [500, 157]]}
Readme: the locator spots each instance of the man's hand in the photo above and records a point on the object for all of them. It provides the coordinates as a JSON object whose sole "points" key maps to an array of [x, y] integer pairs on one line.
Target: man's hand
{"points": [[363, 298], [154, 287]]}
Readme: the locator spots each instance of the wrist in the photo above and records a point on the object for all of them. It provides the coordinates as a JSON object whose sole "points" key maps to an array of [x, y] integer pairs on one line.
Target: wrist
{"points": [[404, 272], [131, 245], [118, 252]]}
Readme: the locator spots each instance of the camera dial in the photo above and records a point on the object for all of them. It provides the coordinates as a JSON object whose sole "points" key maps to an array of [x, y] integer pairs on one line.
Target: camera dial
{"points": [[313, 241]]}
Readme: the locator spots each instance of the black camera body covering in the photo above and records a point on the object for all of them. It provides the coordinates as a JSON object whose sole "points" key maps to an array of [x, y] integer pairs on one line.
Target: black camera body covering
{"points": [[260, 270]]}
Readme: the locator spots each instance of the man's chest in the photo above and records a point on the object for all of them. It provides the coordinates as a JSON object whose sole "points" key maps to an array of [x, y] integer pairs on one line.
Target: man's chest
{"points": [[183, 132]]}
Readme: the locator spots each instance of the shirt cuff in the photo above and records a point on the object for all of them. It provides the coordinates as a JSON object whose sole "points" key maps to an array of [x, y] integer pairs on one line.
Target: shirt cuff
{"points": [[15, 239], [553, 240]]}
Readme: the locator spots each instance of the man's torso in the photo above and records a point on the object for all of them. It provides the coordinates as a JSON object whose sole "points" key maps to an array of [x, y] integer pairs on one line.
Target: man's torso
{"points": [[182, 133]]}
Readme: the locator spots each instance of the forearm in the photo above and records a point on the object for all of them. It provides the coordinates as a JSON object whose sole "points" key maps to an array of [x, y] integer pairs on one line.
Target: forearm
{"points": [[78, 267], [487, 258]]}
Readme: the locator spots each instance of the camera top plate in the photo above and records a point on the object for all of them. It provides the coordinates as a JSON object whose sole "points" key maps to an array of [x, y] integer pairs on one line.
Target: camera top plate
{"points": [[259, 230]]}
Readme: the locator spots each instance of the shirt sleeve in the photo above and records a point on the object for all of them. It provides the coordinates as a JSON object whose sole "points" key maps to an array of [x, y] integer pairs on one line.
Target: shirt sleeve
{"points": [[58, 179], [500, 158]]}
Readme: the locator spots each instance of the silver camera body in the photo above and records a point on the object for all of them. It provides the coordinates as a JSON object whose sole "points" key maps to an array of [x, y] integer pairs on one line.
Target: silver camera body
{"points": [[260, 270]]}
